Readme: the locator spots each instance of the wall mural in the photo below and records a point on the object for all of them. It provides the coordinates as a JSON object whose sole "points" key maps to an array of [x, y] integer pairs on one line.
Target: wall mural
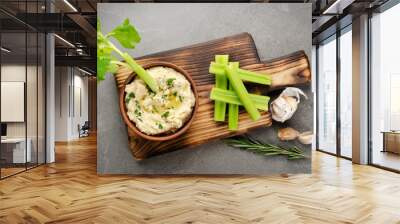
{"points": [[208, 89]]}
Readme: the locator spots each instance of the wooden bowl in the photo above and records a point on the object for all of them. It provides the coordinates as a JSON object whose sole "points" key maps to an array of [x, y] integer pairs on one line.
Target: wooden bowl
{"points": [[163, 136]]}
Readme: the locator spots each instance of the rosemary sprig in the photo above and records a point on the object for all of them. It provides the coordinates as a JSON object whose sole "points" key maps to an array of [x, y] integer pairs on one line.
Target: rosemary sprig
{"points": [[251, 144]]}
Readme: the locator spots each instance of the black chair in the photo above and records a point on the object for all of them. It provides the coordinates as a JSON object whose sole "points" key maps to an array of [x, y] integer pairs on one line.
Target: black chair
{"points": [[84, 130]]}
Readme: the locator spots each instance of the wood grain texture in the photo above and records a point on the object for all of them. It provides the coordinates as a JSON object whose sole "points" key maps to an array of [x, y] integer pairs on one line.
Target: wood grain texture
{"points": [[70, 191], [289, 70]]}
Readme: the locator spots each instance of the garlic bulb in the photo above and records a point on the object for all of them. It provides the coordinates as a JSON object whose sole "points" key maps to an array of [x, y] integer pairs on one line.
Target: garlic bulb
{"points": [[286, 134], [305, 138], [283, 107]]}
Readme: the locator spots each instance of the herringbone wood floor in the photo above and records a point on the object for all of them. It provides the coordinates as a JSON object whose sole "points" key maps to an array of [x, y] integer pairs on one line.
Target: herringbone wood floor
{"points": [[69, 191]]}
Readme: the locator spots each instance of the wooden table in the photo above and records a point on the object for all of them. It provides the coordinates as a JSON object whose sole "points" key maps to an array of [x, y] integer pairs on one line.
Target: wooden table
{"points": [[17, 150], [391, 141]]}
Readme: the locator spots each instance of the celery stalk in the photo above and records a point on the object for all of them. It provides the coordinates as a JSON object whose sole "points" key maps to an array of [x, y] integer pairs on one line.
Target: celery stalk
{"points": [[220, 107], [222, 83], [233, 110], [139, 70], [216, 68], [245, 75], [242, 93], [222, 59], [233, 115], [228, 96], [254, 77]]}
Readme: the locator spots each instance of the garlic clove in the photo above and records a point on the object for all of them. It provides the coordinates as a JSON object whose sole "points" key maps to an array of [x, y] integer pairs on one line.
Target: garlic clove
{"points": [[294, 92], [291, 101], [305, 138], [286, 134], [283, 107]]}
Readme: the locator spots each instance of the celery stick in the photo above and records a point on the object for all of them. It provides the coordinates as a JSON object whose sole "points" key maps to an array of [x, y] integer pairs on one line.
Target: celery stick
{"points": [[245, 75], [254, 77], [220, 82], [139, 70], [233, 115], [242, 93], [227, 96], [220, 107], [216, 68], [222, 59], [233, 110]]}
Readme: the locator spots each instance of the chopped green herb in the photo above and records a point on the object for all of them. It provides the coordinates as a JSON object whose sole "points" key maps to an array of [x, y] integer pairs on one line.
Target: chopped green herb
{"points": [[170, 82], [175, 94], [165, 114], [181, 98], [155, 109], [137, 103], [129, 97], [160, 126], [138, 113]]}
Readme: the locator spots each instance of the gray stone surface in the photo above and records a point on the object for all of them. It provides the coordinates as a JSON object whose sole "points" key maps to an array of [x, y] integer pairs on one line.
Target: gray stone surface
{"points": [[277, 29]]}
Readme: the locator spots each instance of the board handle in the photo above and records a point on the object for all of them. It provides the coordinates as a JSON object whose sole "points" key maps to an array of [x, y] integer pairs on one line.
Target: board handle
{"points": [[289, 70]]}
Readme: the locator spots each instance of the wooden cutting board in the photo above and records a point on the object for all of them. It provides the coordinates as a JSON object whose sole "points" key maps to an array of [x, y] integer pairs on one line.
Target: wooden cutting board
{"points": [[289, 70]]}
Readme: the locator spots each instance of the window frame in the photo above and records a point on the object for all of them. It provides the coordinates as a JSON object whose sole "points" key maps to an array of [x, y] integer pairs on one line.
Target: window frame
{"points": [[31, 30], [380, 9], [338, 34]]}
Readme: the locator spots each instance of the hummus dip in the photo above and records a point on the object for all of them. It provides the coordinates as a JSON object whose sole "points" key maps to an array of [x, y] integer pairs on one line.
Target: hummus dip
{"points": [[164, 111]]}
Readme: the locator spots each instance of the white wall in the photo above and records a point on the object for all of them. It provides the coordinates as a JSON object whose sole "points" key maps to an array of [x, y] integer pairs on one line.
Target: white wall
{"points": [[70, 83], [62, 80], [80, 110]]}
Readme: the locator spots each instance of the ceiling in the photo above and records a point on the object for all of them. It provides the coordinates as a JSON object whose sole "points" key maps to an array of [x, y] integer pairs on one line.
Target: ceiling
{"points": [[75, 21]]}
